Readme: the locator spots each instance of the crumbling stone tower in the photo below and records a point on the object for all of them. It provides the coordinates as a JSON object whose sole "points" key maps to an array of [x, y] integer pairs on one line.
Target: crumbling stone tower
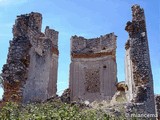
{"points": [[93, 69], [138, 68], [31, 70]]}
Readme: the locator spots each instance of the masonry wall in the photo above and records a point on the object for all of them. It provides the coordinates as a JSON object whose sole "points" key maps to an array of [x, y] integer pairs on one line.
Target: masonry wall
{"points": [[157, 100], [93, 70], [138, 69], [129, 75], [30, 73]]}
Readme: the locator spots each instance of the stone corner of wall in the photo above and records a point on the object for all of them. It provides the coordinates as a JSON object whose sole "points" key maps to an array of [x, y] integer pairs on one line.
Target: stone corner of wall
{"points": [[52, 35], [51, 31]]}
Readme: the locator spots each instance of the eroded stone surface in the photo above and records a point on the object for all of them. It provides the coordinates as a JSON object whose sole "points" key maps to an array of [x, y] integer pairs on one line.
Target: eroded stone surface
{"points": [[31, 70], [157, 99], [138, 69], [93, 71]]}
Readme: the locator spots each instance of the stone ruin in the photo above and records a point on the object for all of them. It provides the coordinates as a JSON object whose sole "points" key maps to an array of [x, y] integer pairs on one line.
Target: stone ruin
{"points": [[137, 64], [93, 68], [157, 100], [30, 74]]}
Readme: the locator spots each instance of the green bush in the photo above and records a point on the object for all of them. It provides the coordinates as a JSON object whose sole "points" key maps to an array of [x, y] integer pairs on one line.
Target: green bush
{"points": [[49, 111]]}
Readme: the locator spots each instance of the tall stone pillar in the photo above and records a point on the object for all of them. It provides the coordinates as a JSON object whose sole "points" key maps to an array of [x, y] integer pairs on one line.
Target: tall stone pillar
{"points": [[93, 68], [30, 73], [138, 68]]}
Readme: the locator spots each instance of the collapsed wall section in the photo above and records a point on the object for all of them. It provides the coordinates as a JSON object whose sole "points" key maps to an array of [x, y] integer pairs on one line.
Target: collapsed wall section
{"points": [[93, 70], [138, 68], [31, 71]]}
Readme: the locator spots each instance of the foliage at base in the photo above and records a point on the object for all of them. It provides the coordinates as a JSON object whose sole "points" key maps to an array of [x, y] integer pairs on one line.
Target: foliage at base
{"points": [[50, 111]]}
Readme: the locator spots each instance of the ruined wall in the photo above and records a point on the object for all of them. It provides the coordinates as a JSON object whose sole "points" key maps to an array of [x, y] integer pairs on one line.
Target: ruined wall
{"points": [[31, 70], [93, 70], [138, 69], [129, 74], [157, 100]]}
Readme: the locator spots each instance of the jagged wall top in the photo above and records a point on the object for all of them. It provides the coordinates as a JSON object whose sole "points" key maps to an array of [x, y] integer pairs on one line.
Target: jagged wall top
{"points": [[138, 44], [137, 27], [52, 35], [29, 25], [81, 45], [25, 22], [137, 13]]}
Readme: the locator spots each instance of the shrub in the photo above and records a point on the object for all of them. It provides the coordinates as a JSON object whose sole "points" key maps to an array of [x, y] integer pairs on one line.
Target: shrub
{"points": [[49, 111]]}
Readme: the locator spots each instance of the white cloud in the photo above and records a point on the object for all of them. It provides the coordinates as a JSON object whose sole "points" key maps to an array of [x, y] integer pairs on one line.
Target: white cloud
{"points": [[11, 2]]}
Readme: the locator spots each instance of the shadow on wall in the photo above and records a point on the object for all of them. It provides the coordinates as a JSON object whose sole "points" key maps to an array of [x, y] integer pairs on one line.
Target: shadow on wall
{"points": [[59, 92]]}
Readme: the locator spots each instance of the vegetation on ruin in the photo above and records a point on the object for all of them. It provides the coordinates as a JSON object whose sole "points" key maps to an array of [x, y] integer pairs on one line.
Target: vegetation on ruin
{"points": [[49, 111], [52, 110]]}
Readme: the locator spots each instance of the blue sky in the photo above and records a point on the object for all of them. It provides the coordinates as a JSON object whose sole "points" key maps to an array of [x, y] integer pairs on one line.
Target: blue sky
{"points": [[88, 18]]}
